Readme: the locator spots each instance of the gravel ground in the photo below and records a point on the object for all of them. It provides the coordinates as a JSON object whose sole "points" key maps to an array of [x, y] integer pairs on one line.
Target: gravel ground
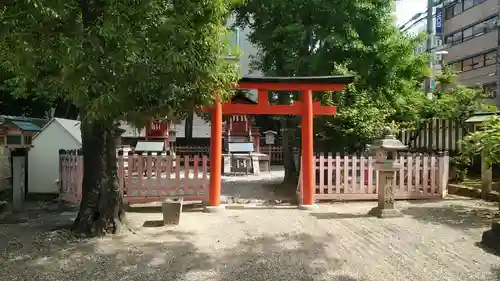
{"points": [[433, 241], [250, 188]]}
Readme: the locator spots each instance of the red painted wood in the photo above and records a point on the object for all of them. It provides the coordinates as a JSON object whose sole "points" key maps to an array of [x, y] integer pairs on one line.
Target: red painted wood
{"points": [[274, 109], [307, 149], [290, 87], [215, 155]]}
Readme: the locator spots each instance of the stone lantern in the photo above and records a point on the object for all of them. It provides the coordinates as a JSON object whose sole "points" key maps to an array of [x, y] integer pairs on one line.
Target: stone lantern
{"points": [[386, 163], [172, 137], [270, 137]]}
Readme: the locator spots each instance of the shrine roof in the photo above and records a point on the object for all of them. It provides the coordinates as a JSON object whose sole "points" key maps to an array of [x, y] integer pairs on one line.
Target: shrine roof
{"points": [[301, 80]]}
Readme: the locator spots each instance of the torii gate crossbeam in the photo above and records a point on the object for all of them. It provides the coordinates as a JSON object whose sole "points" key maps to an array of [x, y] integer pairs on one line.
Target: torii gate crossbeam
{"points": [[305, 108]]}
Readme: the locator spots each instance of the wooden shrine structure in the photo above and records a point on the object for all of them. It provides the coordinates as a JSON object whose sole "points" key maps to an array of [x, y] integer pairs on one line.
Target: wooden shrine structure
{"points": [[306, 108]]}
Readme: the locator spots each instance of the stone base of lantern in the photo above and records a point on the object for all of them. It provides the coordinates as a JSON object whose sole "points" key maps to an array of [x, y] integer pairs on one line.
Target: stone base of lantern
{"points": [[491, 238], [385, 213]]}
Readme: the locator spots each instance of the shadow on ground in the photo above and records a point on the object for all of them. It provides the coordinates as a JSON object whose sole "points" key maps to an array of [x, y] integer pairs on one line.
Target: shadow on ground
{"points": [[195, 207], [326, 216], [166, 255], [496, 273], [458, 216]]}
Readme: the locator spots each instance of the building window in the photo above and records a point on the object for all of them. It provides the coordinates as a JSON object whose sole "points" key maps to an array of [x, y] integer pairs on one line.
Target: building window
{"points": [[475, 30], [457, 66], [448, 12], [491, 24], [475, 62], [468, 4], [490, 58], [467, 65], [478, 29], [467, 33], [478, 61], [457, 37], [458, 8]]}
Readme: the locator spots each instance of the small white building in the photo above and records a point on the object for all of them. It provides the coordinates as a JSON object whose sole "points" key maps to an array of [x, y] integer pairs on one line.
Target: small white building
{"points": [[43, 157]]}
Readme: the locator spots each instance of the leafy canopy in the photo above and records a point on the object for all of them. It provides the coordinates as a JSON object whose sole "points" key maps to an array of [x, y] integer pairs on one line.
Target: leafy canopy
{"points": [[356, 37], [487, 139], [139, 59]]}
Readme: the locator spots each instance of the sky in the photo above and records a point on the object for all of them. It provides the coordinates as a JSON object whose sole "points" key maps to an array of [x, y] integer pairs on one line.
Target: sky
{"points": [[405, 9]]}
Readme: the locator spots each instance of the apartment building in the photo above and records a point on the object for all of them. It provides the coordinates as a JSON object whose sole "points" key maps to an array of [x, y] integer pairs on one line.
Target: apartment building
{"points": [[471, 40]]}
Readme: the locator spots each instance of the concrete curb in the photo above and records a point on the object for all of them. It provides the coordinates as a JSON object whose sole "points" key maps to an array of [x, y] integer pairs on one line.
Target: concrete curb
{"points": [[462, 190]]}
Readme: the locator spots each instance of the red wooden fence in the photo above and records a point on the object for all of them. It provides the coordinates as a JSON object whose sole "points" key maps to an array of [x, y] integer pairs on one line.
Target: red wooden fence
{"points": [[142, 179], [152, 178], [354, 178]]}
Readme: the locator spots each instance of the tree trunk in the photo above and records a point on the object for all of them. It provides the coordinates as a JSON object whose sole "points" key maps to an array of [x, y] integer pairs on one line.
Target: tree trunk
{"points": [[101, 209], [290, 169]]}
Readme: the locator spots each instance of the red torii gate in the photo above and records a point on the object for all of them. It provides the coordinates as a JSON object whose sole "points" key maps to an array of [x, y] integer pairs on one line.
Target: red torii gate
{"points": [[306, 108]]}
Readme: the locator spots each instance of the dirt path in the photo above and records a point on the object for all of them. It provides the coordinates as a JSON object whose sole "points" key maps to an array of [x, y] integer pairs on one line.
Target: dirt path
{"points": [[434, 241]]}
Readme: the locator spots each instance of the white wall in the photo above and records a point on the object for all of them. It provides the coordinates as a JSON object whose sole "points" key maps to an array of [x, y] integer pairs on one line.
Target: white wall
{"points": [[43, 158]]}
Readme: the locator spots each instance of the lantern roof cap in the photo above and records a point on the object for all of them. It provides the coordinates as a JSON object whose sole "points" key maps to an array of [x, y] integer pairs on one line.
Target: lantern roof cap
{"points": [[270, 132], [388, 142]]}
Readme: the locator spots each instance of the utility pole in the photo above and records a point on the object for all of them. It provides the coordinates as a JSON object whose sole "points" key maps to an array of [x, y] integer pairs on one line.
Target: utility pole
{"points": [[430, 34]]}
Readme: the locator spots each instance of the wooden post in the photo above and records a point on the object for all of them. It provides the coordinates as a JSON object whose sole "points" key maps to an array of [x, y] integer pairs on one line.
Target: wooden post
{"points": [[444, 164], [308, 184], [18, 180], [270, 159], [215, 159], [486, 176]]}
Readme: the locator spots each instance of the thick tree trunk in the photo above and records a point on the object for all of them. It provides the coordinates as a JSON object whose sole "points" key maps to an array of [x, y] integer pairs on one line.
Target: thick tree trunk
{"points": [[101, 206], [290, 169]]}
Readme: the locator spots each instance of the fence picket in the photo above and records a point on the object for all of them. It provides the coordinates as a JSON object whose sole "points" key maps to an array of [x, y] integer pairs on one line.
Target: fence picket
{"points": [[345, 168], [330, 184], [354, 174], [409, 175], [370, 175], [337, 174], [433, 175], [362, 174], [404, 168], [321, 173], [425, 174], [417, 170]]}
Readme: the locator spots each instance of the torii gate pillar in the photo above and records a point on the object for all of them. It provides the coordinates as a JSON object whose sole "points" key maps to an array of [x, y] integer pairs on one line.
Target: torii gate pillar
{"points": [[305, 108]]}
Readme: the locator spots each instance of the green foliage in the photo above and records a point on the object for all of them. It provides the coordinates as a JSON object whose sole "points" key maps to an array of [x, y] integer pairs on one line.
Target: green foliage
{"points": [[356, 37], [486, 140], [135, 59]]}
